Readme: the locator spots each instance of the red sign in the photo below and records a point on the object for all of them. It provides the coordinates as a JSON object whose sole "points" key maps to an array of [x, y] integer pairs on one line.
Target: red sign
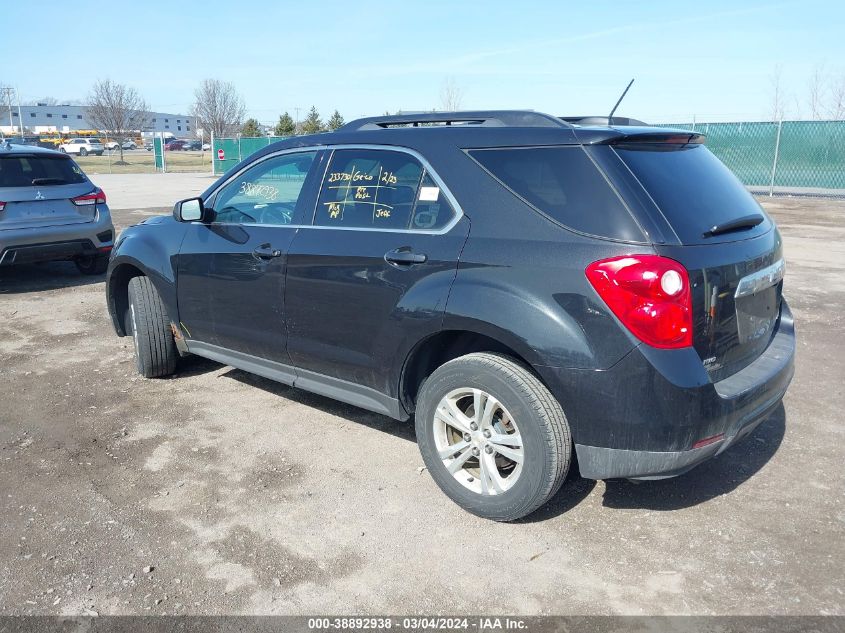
{"points": [[220, 154]]}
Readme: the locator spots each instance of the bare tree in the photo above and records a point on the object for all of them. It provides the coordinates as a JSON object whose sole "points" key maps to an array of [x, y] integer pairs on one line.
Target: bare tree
{"points": [[777, 93], [218, 107], [117, 110], [815, 92], [836, 98], [450, 95]]}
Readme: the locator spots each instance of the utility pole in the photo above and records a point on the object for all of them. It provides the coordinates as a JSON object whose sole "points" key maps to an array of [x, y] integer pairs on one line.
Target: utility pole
{"points": [[7, 94], [20, 116]]}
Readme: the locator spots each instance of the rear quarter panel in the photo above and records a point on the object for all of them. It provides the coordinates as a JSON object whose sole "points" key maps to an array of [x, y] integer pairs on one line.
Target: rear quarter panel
{"points": [[521, 278]]}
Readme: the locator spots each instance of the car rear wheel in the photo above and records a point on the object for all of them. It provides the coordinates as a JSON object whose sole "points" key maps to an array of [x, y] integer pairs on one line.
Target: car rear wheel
{"points": [[492, 436], [155, 350], [83, 152], [93, 264]]}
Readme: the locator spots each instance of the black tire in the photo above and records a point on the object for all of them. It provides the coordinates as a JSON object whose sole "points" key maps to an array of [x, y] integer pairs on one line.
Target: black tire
{"points": [[92, 265], [83, 152], [546, 439], [147, 322], [63, 150]]}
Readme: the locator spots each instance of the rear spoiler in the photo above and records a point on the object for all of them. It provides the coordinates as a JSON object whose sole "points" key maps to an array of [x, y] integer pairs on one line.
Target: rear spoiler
{"points": [[637, 135], [662, 137]]}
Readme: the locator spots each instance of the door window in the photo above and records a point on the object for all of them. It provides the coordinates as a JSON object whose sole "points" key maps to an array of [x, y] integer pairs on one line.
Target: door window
{"points": [[380, 189], [267, 193]]}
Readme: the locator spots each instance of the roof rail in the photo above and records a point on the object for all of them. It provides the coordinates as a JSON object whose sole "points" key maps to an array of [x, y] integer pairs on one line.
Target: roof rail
{"points": [[601, 120], [487, 118]]}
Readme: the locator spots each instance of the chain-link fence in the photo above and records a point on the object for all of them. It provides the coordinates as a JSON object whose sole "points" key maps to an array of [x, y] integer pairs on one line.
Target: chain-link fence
{"points": [[234, 150], [780, 158], [774, 158]]}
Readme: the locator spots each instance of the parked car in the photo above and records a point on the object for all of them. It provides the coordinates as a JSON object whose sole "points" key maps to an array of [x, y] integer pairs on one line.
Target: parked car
{"points": [[206, 147], [194, 146], [113, 146], [174, 145], [22, 140], [148, 145], [82, 147], [524, 287], [49, 210]]}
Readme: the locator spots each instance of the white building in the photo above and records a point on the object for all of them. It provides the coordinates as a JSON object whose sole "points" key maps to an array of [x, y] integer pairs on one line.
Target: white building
{"points": [[38, 119]]}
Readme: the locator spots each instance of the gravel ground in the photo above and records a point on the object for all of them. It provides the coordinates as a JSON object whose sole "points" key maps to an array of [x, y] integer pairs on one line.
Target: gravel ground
{"points": [[216, 491]]}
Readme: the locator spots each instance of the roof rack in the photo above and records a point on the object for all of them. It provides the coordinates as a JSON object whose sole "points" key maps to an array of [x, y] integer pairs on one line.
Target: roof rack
{"points": [[485, 118], [601, 120]]}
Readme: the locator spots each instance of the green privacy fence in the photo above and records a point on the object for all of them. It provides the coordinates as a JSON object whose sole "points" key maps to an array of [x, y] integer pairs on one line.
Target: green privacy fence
{"points": [[788, 157], [236, 149]]}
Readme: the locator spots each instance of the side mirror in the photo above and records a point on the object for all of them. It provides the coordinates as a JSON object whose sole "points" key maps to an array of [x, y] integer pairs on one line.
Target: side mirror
{"points": [[190, 210]]}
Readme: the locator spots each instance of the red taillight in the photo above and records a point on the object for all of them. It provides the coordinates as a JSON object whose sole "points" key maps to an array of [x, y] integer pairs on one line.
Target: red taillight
{"points": [[649, 294], [2, 205], [98, 196]]}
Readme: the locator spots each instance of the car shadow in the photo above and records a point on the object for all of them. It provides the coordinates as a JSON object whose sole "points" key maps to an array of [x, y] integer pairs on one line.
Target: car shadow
{"points": [[24, 278], [573, 491], [376, 421], [711, 479]]}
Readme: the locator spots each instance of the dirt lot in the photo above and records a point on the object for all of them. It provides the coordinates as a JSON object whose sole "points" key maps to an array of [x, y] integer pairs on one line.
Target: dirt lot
{"points": [[220, 492]]}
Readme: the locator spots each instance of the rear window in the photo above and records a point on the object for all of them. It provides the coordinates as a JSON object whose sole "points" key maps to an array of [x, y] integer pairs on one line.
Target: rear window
{"points": [[27, 170], [693, 189], [563, 184]]}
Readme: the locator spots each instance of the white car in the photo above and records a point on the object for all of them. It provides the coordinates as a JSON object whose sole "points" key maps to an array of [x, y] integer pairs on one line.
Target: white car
{"points": [[112, 146], [82, 147]]}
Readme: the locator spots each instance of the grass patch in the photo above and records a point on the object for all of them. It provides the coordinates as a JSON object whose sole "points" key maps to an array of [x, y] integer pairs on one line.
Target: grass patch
{"points": [[143, 162]]}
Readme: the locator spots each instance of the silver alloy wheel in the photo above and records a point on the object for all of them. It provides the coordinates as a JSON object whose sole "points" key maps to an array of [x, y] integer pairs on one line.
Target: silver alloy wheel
{"points": [[478, 441]]}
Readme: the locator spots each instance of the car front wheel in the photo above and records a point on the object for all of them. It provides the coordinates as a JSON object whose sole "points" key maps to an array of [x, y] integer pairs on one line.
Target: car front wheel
{"points": [[155, 350], [492, 436]]}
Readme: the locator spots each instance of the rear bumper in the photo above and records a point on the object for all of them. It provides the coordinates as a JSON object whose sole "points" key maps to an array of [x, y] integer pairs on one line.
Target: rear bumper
{"points": [[49, 243], [657, 404]]}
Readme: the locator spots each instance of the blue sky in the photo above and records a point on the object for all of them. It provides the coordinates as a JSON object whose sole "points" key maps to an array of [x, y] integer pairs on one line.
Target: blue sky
{"points": [[712, 60]]}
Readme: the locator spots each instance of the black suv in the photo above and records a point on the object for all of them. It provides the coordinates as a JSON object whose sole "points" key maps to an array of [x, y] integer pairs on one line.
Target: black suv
{"points": [[524, 286]]}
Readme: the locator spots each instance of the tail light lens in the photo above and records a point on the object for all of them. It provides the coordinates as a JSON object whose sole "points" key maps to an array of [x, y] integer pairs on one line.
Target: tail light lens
{"points": [[2, 205], [98, 196], [649, 294]]}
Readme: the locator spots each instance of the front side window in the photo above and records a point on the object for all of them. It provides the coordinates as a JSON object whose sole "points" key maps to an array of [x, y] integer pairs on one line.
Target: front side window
{"points": [[380, 189], [266, 193]]}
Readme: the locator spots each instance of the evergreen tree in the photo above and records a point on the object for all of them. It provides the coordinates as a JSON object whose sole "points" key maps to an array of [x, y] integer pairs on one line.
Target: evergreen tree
{"points": [[335, 122], [251, 128], [285, 126], [312, 124]]}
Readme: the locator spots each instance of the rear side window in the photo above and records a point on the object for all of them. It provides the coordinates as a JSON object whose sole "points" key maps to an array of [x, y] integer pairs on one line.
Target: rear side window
{"points": [[693, 189], [563, 184], [380, 189], [28, 170]]}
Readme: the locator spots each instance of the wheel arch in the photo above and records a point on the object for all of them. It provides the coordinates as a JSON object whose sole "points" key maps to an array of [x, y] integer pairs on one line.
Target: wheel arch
{"points": [[117, 289], [121, 272], [445, 345]]}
